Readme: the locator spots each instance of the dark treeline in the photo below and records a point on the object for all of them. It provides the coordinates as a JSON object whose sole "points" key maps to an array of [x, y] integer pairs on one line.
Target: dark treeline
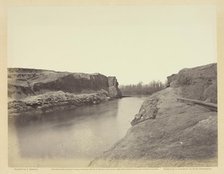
{"points": [[141, 89]]}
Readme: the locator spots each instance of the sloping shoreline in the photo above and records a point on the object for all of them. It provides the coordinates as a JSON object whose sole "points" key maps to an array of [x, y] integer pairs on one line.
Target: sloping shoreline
{"points": [[168, 132], [54, 101], [35, 91], [180, 135]]}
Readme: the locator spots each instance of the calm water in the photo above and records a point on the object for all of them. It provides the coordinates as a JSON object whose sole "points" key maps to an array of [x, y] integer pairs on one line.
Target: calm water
{"points": [[82, 133]]}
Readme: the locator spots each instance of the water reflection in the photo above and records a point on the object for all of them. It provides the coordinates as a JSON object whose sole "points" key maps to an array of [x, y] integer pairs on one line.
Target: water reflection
{"points": [[81, 133]]}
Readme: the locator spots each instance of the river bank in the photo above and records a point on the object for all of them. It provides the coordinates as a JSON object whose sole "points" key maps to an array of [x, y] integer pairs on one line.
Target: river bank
{"points": [[179, 135], [167, 132], [54, 101], [42, 91], [75, 136]]}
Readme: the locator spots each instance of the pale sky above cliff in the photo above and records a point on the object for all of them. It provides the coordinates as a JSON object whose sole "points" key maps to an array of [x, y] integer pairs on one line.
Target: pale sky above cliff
{"points": [[133, 43]]}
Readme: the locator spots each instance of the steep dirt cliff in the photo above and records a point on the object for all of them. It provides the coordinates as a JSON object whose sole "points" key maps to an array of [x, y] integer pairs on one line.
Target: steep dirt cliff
{"points": [[34, 90], [168, 132]]}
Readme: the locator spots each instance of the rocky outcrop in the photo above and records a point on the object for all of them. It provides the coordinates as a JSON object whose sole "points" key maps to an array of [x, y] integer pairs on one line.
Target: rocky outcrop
{"points": [[54, 101], [148, 110], [168, 132], [170, 79], [197, 83], [30, 89], [25, 82], [114, 91]]}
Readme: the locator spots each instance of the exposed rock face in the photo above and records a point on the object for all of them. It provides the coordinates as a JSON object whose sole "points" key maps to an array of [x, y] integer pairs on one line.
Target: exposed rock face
{"points": [[170, 79], [24, 82], [169, 132], [197, 83], [114, 91], [73, 83], [148, 110], [32, 90]]}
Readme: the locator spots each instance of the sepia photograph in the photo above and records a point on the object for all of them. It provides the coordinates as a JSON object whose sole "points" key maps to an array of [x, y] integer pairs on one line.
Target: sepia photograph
{"points": [[112, 86]]}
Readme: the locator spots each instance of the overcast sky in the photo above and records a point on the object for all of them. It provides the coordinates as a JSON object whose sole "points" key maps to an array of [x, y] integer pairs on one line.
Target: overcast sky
{"points": [[133, 43]]}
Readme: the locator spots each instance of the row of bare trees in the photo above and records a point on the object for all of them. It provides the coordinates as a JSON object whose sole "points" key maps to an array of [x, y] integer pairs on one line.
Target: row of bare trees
{"points": [[141, 89]]}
